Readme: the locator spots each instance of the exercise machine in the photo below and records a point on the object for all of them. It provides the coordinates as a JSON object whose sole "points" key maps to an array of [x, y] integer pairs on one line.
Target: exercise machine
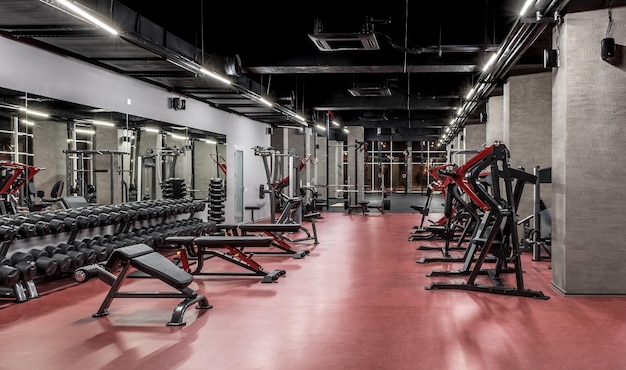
{"points": [[497, 231]]}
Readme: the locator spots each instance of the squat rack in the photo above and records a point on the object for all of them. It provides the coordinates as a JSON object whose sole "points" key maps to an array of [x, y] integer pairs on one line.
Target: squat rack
{"points": [[79, 171]]}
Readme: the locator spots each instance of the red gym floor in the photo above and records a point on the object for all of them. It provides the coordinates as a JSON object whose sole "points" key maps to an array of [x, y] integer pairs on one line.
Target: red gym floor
{"points": [[356, 302]]}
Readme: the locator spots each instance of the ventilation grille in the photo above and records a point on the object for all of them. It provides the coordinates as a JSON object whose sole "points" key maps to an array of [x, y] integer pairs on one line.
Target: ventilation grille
{"points": [[345, 41], [370, 91]]}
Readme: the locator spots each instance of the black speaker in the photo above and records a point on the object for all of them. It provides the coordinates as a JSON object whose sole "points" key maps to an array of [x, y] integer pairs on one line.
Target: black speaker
{"points": [[550, 58], [607, 47]]}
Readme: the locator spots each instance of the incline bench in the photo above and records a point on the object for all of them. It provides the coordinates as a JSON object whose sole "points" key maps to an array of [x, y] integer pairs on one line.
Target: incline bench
{"points": [[278, 239], [145, 259], [203, 247]]}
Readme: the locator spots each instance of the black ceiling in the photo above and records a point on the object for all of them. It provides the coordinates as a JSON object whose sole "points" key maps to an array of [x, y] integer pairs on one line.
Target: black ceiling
{"points": [[428, 54]]}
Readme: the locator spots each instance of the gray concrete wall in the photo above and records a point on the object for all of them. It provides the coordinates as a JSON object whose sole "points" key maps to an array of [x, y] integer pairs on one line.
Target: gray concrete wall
{"points": [[495, 119], [71, 80], [49, 142], [475, 136], [528, 129], [588, 140]]}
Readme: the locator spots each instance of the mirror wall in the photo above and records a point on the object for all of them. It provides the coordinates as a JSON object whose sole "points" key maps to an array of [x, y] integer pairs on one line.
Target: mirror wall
{"points": [[106, 157]]}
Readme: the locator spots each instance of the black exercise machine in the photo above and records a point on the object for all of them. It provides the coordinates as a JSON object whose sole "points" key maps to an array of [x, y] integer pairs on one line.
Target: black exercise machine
{"points": [[145, 259], [497, 231]]}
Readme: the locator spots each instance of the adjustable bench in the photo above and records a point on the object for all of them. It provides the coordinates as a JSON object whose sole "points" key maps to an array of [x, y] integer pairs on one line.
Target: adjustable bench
{"points": [[145, 259], [278, 239], [203, 247]]}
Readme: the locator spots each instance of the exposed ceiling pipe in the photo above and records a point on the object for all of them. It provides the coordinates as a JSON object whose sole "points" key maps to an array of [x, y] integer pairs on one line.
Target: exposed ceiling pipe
{"points": [[518, 40]]}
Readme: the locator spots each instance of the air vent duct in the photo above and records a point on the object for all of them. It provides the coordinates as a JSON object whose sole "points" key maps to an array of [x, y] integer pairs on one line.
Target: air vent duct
{"points": [[345, 41], [370, 91]]}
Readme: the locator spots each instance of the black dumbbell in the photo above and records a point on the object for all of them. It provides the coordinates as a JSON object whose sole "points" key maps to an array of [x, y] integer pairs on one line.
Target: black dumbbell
{"points": [[70, 223], [56, 225], [83, 222], [101, 252], [45, 264], [45, 224], [9, 275], [64, 262], [7, 232], [78, 258], [25, 264], [90, 255]]}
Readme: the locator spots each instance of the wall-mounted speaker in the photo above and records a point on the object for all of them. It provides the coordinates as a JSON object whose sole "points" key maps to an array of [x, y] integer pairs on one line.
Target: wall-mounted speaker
{"points": [[269, 130], [550, 58], [178, 104], [607, 48]]}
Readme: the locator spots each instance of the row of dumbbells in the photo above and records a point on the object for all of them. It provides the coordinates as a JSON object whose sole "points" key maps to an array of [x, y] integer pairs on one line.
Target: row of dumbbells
{"points": [[64, 258], [37, 224]]}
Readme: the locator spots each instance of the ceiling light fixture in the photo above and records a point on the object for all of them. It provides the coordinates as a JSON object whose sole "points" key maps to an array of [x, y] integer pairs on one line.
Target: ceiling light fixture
{"points": [[490, 62], [527, 5], [82, 13], [320, 127], [103, 123], [34, 112], [215, 76], [208, 141], [27, 122], [83, 131], [153, 130], [266, 102]]}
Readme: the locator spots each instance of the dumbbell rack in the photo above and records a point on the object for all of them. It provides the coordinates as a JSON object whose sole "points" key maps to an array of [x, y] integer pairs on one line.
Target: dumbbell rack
{"points": [[217, 195], [37, 247]]}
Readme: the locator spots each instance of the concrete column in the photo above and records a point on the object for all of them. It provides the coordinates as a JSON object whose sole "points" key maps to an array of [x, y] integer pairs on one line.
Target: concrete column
{"points": [[495, 119], [528, 129], [588, 140], [109, 183], [475, 137], [49, 141]]}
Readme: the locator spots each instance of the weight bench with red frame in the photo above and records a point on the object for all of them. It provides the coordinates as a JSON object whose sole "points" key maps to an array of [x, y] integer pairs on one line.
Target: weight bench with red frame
{"points": [[276, 231], [145, 259], [198, 249]]}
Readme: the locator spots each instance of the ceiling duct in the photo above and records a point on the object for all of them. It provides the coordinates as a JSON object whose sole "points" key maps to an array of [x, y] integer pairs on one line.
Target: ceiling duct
{"points": [[341, 41], [345, 41], [229, 65], [373, 116], [370, 91]]}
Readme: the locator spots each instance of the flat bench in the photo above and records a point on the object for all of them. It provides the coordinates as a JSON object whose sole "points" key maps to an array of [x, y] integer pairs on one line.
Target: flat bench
{"points": [[204, 247], [145, 259], [276, 231]]}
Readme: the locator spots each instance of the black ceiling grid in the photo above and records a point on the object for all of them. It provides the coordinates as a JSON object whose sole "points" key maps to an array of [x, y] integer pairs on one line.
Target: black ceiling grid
{"points": [[399, 67]]}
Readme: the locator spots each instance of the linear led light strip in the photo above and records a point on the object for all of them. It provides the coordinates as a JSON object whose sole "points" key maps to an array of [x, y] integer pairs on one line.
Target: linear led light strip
{"points": [[82, 13], [34, 112]]}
